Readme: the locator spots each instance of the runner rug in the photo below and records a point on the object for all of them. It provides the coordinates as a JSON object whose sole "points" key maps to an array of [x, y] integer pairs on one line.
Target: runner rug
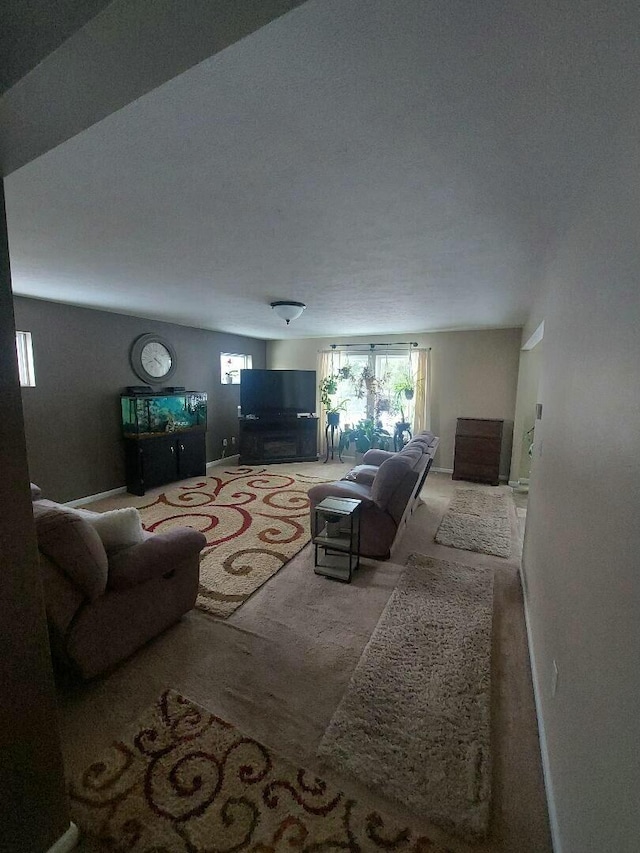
{"points": [[478, 521], [414, 721], [187, 781], [255, 521]]}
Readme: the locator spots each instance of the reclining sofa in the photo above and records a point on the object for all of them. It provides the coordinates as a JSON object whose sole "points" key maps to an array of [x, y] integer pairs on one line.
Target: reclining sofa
{"points": [[103, 598], [389, 486]]}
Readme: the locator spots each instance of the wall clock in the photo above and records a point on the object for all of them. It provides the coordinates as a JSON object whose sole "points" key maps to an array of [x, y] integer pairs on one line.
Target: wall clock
{"points": [[153, 358]]}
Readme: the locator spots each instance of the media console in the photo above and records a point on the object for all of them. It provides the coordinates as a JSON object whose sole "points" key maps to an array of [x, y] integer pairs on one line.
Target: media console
{"points": [[278, 438]]}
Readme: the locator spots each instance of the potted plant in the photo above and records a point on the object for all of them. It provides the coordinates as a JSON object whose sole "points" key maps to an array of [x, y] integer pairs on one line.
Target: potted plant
{"points": [[404, 385], [328, 388], [365, 435]]}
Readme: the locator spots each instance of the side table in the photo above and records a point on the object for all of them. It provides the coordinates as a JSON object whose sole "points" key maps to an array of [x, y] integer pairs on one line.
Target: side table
{"points": [[337, 542]]}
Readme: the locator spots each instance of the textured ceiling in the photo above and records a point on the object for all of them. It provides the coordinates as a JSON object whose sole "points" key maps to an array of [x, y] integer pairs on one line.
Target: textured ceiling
{"points": [[399, 167]]}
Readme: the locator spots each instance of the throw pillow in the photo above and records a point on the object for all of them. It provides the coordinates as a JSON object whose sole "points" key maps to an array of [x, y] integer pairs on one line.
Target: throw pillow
{"points": [[118, 528]]}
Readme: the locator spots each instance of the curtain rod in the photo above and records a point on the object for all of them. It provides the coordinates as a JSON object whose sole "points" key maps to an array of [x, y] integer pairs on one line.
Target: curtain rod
{"points": [[373, 346]]}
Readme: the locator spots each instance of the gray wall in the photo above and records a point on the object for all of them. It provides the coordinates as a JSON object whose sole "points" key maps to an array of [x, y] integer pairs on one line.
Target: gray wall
{"points": [[72, 416], [33, 807]]}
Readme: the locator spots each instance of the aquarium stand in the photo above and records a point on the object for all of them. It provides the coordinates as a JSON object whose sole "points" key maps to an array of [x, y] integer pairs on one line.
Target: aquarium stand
{"points": [[164, 437], [160, 459]]}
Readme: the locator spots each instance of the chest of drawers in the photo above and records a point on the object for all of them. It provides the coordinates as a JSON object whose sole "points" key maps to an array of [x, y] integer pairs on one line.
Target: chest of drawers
{"points": [[477, 450]]}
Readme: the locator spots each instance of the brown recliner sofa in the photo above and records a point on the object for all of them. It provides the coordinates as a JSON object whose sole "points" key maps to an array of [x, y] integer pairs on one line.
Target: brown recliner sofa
{"points": [[389, 486], [103, 603]]}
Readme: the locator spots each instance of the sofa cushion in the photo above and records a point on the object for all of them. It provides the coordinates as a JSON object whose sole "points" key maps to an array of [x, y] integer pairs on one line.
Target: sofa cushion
{"points": [[388, 478], [74, 546]]}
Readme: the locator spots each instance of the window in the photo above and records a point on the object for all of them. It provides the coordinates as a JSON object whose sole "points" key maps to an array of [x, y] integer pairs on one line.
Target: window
{"points": [[231, 364], [382, 400], [24, 349]]}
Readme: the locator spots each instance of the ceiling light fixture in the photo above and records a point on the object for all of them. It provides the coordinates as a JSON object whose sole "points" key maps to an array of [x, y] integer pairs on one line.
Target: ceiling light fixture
{"points": [[288, 310]]}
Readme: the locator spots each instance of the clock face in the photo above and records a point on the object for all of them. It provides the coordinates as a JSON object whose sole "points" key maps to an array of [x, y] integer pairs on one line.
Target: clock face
{"points": [[153, 358], [156, 359]]}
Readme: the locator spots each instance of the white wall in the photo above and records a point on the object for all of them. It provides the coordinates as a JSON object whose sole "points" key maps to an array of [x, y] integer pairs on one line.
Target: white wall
{"points": [[582, 543], [526, 399], [474, 374]]}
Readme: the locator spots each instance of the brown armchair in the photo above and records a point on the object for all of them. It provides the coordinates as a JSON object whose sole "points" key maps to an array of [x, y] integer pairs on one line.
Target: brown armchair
{"points": [[103, 604]]}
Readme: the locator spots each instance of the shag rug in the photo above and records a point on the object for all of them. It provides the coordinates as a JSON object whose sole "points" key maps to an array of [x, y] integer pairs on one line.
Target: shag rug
{"points": [[414, 722], [255, 521], [478, 521], [188, 782]]}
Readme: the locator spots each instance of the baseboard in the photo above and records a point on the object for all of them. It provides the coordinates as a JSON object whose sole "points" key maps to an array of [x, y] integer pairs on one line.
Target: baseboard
{"points": [[542, 736], [67, 841], [442, 470], [225, 460], [91, 498]]}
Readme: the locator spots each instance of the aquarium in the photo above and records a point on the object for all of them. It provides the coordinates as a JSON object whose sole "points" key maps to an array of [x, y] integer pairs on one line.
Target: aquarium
{"points": [[151, 414]]}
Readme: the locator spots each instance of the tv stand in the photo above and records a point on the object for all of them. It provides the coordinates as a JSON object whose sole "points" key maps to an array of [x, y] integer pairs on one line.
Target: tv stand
{"points": [[278, 438]]}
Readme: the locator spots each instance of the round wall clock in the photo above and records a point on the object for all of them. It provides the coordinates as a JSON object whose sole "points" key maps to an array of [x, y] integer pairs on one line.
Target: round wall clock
{"points": [[153, 358]]}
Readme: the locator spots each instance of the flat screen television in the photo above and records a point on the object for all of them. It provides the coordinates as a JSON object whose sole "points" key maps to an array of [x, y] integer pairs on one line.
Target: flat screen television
{"points": [[277, 392]]}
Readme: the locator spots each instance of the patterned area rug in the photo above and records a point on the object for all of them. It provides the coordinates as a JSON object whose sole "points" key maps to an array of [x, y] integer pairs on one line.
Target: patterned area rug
{"points": [[255, 521], [414, 722], [188, 781], [478, 521]]}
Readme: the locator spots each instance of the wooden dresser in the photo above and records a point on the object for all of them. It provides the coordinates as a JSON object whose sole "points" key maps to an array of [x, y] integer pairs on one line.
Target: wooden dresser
{"points": [[477, 451]]}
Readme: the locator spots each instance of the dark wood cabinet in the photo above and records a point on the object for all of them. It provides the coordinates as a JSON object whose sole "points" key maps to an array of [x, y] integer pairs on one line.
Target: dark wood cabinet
{"points": [[278, 440], [158, 459], [477, 450]]}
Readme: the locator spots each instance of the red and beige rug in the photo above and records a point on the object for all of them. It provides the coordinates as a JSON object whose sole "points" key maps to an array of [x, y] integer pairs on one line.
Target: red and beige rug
{"points": [[255, 521], [188, 782]]}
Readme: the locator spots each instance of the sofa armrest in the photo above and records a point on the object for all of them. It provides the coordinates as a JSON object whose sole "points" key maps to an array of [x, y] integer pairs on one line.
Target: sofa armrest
{"points": [[154, 557], [376, 456]]}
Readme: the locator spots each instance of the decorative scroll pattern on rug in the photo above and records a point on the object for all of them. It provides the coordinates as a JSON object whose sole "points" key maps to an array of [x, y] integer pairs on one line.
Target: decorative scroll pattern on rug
{"points": [[478, 521], [187, 781], [414, 722], [255, 521]]}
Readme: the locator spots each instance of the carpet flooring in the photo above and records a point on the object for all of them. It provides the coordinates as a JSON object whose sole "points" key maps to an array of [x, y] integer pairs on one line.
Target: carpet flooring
{"points": [[186, 781], [478, 521], [255, 521], [278, 667], [415, 719]]}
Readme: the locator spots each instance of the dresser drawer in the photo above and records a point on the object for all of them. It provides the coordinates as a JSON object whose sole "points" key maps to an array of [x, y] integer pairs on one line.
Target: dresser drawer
{"points": [[476, 472], [480, 427], [474, 449]]}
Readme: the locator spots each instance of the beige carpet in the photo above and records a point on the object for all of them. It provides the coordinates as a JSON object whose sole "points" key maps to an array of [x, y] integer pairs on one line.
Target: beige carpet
{"points": [[278, 667], [478, 521], [415, 719], [185, 780], [255, 521]]}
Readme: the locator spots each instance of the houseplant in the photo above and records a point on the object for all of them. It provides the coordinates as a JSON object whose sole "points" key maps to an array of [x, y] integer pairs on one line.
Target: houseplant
{"points": [[328, 388], [365, 435]]}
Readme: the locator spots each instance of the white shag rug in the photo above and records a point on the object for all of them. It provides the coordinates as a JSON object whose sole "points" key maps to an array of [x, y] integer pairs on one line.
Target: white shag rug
{"points": [[414, 722], [478, 521]]}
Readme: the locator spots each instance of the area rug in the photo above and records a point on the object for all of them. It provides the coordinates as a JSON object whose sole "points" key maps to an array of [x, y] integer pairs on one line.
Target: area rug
{"points": [[185, 780], [414, 721], [255, 521], [478, 521]]}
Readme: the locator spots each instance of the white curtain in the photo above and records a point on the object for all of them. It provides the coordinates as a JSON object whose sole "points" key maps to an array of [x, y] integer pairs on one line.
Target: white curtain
{"points": [[421, 370], [326, 365]]}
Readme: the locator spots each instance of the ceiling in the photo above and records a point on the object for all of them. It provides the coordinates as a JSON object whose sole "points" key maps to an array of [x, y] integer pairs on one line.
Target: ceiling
{"points": [[399, 167]]}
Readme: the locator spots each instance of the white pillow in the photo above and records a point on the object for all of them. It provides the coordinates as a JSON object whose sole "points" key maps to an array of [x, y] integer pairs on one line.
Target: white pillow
{"points": [[118, 528]]}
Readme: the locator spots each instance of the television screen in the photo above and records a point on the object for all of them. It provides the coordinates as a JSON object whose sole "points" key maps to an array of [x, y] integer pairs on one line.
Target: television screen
{"points": [[277, 392]]}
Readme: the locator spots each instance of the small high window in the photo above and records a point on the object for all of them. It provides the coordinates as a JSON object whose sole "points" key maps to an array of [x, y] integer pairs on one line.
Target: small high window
{"points": [[231, 364], [24, 349]]}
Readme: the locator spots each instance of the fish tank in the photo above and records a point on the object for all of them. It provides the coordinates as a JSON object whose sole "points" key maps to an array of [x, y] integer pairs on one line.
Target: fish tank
{"points": [[145, 415]]}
